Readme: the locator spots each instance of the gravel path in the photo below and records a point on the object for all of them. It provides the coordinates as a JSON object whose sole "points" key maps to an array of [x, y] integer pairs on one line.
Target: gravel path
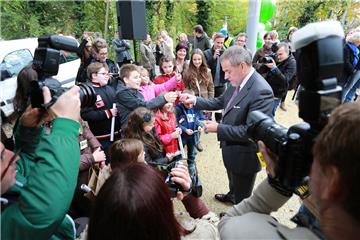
{"points": [[213, 174]]}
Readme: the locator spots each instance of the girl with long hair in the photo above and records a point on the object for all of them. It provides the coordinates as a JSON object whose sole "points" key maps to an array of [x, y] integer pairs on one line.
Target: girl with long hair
{"points": [[140, 126], [198, 77]]}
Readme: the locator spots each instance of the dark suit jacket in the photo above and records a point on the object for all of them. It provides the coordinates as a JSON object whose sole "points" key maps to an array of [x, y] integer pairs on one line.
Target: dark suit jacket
{"points": [[239, 153]]}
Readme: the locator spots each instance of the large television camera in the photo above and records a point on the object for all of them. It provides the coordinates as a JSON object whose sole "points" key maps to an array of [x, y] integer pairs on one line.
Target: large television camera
{"points": [[319, 65], [46, 64]]}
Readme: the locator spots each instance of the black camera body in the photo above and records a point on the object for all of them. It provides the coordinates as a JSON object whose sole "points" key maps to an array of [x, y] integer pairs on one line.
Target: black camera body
{"points": [[46, 64], [269, 58], [319, 65], [292, 146], [172, 186]]}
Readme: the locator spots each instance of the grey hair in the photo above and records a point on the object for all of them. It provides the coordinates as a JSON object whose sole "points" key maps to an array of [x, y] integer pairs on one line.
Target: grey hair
{"points": [[236, 55], [354, 37], [285, 46]]}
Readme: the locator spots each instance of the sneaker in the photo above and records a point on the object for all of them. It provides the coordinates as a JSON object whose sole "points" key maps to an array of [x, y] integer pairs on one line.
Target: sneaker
{"points": [[199, 147]]}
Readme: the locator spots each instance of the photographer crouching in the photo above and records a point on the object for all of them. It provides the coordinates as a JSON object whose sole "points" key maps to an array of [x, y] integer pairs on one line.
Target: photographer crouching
{"points": [[46, 171], [326, 143], [333, 184], [279, 72]]}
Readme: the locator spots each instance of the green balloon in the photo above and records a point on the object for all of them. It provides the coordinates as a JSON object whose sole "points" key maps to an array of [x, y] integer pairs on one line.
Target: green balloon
{"points": [[268, 26], [259, 40], [267, 10]]}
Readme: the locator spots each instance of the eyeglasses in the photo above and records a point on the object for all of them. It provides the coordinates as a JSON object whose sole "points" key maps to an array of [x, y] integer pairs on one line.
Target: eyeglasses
{"points": [[104, 74], [103, 54]]}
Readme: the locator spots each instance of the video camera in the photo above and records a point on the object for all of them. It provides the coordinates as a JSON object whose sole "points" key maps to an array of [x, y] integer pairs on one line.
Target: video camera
{"points": [[46, 64], [319, 65]]}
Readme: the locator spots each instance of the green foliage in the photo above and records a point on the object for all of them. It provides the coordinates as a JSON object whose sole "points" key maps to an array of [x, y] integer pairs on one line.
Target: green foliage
{"points": [[184, 17], [21, 19], [203, 11], [299, 13], [14, 20], [234, 12]]}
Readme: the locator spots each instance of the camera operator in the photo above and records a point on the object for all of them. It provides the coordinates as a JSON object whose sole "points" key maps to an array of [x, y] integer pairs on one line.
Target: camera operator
{"points": [[333, 184], [280, 73], [266, 50], [46, 172]]}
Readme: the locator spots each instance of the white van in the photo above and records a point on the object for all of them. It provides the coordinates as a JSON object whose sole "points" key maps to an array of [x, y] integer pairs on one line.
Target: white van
{"points": [[16, 54]]}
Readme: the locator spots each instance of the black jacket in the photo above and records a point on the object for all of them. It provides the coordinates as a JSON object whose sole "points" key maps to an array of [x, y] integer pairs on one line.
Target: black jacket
{"points": [[211, 62], [128, 99], [280, 77], [99, 115]]}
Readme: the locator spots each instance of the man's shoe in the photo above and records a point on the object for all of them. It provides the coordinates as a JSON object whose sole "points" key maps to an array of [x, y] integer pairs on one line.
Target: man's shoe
{"points": [[199, 147], [224, 198]]}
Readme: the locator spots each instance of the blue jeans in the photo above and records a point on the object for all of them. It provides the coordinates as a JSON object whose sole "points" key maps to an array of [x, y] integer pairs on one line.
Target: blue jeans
{"points": [[275, 106], [189, 141]]}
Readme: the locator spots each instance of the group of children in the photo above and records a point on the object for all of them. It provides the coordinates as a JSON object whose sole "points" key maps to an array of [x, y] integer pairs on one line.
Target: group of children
{"points": [[174, 121]]}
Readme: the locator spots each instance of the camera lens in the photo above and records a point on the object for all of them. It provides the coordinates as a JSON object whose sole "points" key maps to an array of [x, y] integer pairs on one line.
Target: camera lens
{"points": [[87, 95]]}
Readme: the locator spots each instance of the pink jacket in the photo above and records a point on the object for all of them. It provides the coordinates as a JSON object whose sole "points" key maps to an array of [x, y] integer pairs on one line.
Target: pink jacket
{"points": [[151, 91]]}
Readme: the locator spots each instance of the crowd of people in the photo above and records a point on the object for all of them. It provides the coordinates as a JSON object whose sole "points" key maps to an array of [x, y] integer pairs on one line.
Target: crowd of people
{"points": [[137, 130]]}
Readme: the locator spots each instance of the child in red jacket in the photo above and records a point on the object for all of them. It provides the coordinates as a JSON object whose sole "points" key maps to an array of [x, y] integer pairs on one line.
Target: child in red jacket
{"points": [[165, 126], [167, 67]]}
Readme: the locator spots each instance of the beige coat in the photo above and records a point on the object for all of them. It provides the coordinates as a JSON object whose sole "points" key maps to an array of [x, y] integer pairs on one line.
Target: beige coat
{"points": [[202, 89]]}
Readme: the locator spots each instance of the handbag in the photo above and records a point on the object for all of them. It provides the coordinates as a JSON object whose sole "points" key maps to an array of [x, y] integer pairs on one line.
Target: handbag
{"points": [[97, 178]]}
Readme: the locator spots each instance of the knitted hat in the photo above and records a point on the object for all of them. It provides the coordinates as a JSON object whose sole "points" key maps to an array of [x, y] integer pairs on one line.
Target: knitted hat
{"points": [[181, 46], [223, 31]]}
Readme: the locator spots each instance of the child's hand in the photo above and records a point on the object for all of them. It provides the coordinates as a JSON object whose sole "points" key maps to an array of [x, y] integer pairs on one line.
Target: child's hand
{"points": [[114, 112], [171, 96], [170, 156], [200, 129], [178, 77], [189, 132], [99, 155], [176, 133]]}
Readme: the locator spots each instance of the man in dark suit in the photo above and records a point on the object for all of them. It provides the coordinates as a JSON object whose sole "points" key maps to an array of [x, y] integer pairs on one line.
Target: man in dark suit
{"points": [[248, 92]]}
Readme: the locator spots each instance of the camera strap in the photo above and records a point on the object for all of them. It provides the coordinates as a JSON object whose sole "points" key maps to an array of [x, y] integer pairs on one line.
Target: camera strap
{"points": [[50, 103]]}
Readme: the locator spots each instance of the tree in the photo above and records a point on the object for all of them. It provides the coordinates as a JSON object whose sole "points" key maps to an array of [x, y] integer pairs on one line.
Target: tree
{"points": [[203, 10]]}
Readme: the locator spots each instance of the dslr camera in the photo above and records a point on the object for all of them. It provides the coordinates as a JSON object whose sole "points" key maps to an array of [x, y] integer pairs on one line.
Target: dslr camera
{"points": [[268, 58], [46, 64], [172, 186], [319, 65]]}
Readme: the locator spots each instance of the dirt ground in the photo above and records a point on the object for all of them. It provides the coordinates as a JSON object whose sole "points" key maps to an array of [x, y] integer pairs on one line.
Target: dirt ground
{"points": [[213, 174]]}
